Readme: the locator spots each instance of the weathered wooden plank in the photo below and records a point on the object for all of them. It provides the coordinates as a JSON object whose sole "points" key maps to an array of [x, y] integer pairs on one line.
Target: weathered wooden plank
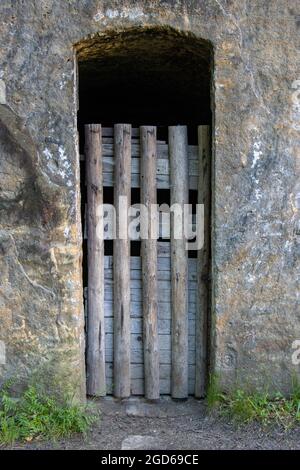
{"points": [[136, 295], [134, 140], [137, 341], [203, 260], [163, 325], [137, 356], [108, 149], [163, 295], [95, 317], [109, 131], [149, 261], [136, 275], [162, 181], [163, 263], [162, 166], [162, 150], [138, 372], [164, 309], [179, 260], [137, 284], [163, 249], [122, 189], [137, 386]]}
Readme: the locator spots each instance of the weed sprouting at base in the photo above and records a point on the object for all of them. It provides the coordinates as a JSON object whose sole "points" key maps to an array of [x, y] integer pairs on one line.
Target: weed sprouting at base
{"points": [[38, 416], [245, 407]]}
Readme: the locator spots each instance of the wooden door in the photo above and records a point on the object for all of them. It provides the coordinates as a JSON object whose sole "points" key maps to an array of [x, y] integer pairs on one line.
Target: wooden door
{"points": [[146, 314]]}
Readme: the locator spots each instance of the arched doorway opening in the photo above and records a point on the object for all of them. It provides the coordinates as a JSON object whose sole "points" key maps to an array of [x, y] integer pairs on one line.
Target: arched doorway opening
{"points": [[160, 77]]}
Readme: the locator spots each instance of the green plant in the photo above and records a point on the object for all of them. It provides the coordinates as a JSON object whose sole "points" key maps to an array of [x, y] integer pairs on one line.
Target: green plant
{"points": [[38, 416], [213, 395], [244, 407]]}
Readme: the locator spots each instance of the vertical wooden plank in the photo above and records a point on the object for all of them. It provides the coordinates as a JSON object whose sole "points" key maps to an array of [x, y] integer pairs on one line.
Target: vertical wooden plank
{"points": [[203, 262], [95, 321], [121, 256], [149, 263], [178, 151]]}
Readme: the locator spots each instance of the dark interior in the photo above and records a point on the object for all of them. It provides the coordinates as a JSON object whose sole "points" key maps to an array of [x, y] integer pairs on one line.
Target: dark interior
{"points": [[154, 76]]}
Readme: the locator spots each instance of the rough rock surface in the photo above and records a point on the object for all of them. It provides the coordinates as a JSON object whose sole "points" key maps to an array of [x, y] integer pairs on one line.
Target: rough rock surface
{"points": [[255, 315]]}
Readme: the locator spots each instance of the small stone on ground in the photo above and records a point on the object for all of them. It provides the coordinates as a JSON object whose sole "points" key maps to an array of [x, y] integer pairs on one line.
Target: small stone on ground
{"points": [[141, 443]]}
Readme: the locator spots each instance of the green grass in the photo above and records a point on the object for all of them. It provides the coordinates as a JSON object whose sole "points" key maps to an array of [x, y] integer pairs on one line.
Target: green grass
{"points": [[261, 407], [38, 416]]}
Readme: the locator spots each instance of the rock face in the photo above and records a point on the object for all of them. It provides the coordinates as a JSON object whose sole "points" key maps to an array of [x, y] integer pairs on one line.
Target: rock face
{"points": [[255, 316]]}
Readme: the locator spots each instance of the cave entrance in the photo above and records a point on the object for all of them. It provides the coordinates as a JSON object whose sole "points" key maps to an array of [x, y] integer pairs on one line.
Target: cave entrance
{"points": [[155, 77]]}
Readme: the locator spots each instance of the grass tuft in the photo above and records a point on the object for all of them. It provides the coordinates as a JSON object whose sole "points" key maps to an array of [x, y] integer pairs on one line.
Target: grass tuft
{"points": [[262, 407], [214, 395], [38, 416]]}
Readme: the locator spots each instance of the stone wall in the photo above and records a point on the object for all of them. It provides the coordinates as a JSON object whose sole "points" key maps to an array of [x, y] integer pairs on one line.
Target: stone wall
{"points": [[255, 315]]}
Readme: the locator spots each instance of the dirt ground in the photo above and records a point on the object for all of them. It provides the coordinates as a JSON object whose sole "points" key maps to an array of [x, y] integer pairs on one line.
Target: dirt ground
{"points": [[135, 424]]}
